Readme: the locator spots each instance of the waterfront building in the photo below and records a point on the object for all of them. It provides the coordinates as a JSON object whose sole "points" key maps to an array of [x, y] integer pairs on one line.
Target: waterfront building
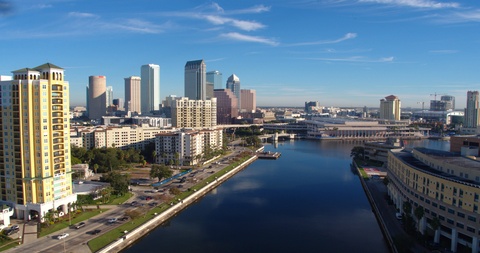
{"points": [[249, 100], [378, 150], [233, 83], [194, 113], [215, 77], [97, 97], [466, 145], [35, 166], [350, 129], [472, 112], [150, 88], [438, 116], [132, 94], [390, 108], [196, 80], [187, 146], [227, 109], [445, 186], [152, 121]]}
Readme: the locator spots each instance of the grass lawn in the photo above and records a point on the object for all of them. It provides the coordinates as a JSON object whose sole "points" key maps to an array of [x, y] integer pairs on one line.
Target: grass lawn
{"points": [[121, 199], [9, 245], [65, 223]]}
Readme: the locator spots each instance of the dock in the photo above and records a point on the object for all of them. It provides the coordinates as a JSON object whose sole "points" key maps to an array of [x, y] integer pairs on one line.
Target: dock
{"points": [[268, 155]]}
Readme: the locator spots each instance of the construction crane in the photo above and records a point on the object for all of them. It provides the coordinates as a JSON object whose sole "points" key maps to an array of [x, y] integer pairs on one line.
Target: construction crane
{"points": [[435, 95]]}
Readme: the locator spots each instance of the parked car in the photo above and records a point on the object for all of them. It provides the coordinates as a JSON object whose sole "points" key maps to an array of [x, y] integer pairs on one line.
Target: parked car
{"points": [[148, 198], [80, 225], [399, 216], [124, 218], [62, 236]]}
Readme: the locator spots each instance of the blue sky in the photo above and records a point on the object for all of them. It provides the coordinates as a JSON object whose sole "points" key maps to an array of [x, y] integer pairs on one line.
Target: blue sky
{"points": [[337, 52]]}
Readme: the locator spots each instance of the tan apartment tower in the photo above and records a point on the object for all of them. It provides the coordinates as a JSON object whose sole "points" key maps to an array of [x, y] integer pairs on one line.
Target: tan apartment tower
{"points": [[133, 94], [97, 97], [35, 166], [194, 113], [390, 108]]}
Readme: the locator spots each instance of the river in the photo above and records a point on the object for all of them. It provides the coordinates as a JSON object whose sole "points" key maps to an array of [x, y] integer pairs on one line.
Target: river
{"points": [[306, 201]]}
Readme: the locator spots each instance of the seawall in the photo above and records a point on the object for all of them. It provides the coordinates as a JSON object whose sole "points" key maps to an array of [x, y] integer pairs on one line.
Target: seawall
{"points": [[376, 211], [145, 228]]}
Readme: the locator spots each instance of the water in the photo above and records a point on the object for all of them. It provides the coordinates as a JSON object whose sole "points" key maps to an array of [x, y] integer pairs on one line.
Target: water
{"points": [[306, 201]]}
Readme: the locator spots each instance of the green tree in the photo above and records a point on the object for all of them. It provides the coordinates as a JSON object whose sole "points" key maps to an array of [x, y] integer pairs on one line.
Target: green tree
{"points": [[160, 171], [419, 213], [407, 208], [119, 182], [357, 152]]}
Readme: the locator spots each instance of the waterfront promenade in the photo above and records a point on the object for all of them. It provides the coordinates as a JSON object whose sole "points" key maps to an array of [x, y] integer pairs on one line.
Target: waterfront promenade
{"points": [[392, 229]]}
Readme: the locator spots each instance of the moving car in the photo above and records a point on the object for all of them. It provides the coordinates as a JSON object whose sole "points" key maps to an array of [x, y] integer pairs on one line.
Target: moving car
{"points": [[112, 220], [80, 225], [62, 236], [94, 232]]}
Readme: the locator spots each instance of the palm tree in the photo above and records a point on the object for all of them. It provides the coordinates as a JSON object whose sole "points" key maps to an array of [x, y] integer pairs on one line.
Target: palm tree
{"points": [[419, 213], [435, 224]]}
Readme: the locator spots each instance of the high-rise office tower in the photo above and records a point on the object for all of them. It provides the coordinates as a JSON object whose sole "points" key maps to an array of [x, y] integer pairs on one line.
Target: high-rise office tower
{"points": [[109, 96], [196, 80], [233, 83], [249, 100], [35, 166], [150, 88], [390, 108], [227, 108], [472, 112], [215, 77], [132, 94], [97, 97]]}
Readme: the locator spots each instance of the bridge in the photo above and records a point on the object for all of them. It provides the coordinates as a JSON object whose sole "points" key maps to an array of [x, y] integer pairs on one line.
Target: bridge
{"points": [[276, 136]]}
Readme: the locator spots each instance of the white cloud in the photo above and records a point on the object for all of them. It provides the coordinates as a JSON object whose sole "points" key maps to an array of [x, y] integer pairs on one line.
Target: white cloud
{"points": [[356, 59], [135, 25], [249, 38], [82, 15], [428, 4], [347, 36], [254, 9], [241, 24]]}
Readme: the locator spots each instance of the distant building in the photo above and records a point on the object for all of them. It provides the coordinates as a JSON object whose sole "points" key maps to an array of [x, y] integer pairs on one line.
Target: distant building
{"points": [[209, 90], [196, 80], [311, 106], [109, 96], [132, 94], [118, 103], [233, 83], [150, 88], [215, 77], [82, 171], [450, 102], [194, 113], [249, 100], [390, 108], [227, 108], [472, 112], [97, 97]]}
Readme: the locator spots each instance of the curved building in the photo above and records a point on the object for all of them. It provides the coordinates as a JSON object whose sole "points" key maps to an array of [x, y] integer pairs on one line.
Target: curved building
{"points": [[97, 97], [446, 186]]}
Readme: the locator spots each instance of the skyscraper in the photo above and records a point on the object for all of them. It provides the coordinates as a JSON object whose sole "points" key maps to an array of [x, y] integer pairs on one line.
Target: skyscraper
{"points": [[227, 108], [249, 100], [109, 96], [150, 88], [35, 167], [132, 94], [390, 108], [233, 83], [311, 105], [472, 112], [215, 77], [196, 80], [97, 97], [450, 102]]}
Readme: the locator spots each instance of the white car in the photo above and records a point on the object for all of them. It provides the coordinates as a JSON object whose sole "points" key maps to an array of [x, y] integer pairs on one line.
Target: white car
{"points": [[399, 216], [62, 236], [113, 220]]}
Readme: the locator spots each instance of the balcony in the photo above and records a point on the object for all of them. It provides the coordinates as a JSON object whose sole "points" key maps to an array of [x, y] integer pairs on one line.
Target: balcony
{"points": [[57, 147], [57, 134], [57, 114], [57, 101], [57, 108], [58, 127], [57, 121], [57, 87], [57, 94], [58, 153], [57, 140]]}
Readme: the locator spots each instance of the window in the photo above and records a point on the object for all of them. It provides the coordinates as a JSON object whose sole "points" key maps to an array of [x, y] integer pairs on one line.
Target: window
{"points": [[461, 215]]}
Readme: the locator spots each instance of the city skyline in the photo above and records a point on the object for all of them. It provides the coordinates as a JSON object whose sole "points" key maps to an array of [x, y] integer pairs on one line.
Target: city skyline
{"points": [[340, 53]]}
